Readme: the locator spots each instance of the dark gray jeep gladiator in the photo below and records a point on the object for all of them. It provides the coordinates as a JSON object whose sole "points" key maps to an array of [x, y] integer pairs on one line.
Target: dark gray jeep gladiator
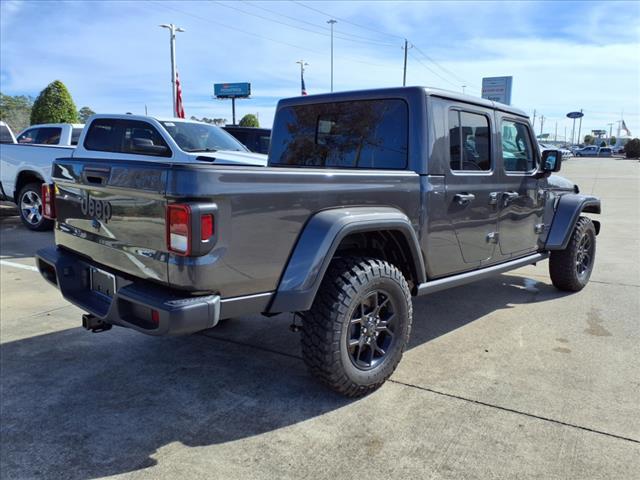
{"points": [[369, 198]]}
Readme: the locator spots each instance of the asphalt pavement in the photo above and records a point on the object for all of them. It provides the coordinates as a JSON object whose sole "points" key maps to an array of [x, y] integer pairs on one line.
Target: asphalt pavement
{"points": [[505, 378]]}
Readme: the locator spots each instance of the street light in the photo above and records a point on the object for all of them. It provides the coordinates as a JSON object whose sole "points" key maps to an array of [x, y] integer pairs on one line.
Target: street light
{"points": [[172, 42], [332, 22]]}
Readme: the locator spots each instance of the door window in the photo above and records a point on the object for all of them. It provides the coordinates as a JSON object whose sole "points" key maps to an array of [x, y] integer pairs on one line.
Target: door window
{"points": [[123, 136], [29, 136], [469, 141], [517, 150]]}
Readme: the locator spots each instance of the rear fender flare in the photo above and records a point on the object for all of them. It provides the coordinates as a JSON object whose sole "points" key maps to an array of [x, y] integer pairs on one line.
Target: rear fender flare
{"points": [[318, 242], [569, 208]]}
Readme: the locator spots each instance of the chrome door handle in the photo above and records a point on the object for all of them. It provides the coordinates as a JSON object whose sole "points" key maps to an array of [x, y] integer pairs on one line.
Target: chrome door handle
{"points": [[463, 198], [508, 196]]}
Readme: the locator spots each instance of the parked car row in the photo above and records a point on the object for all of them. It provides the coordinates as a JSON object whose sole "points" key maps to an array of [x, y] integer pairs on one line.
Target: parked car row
{"points": [[566, 153], [594, 151], [26, 164]]}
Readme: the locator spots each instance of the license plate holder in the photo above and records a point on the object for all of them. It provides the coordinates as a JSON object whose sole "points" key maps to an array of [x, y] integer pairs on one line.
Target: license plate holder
{"points": [[101, 282]]}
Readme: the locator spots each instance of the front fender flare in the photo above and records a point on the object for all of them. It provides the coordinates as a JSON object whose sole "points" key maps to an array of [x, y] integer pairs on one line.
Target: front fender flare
{"points": [[318, 242], [569, 208]]}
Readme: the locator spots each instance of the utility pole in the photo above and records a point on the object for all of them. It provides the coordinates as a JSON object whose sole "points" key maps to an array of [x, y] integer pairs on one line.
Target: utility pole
{"points": [[541, 123], [533, 123], [565, 133], [610, 127], [579, 126], [404, 74], [332, 22], [555, 137], [172, 42]]}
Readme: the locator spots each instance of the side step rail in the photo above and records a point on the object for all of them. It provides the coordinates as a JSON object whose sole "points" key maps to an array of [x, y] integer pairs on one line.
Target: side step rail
{"points": [[468, 277]]}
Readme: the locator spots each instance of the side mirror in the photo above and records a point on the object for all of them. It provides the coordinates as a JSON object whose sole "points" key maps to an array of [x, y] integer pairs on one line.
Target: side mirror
{"points": [[145, 146], [551, 161]]}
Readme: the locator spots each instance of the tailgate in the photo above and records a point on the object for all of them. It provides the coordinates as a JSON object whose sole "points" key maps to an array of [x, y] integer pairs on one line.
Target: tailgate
{"points": [[114, 214]]}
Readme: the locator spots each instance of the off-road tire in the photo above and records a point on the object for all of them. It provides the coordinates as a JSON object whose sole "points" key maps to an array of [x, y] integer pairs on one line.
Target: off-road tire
{"points": [[563, 263], [42, 224], [327, 327]]}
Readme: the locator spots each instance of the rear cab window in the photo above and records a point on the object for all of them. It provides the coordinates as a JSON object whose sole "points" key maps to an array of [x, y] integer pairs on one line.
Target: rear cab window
{"points": [[5, 135], [367, 134], [29, 136], [518, 154], [75, 135]]}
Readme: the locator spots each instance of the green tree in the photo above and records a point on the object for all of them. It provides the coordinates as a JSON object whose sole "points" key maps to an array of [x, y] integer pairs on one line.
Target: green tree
{"points": [[84, 113], [612, 140], [249, 120], [589, 139], [632, 148], [603, 143], [54, 105], [15, 111]]}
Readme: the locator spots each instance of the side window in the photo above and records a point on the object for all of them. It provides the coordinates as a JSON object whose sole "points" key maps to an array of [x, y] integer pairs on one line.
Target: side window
{"points": [[75, 135], [469, 141], [49, 136], [517, 151], [29, 136], [358, 134], [141, 138], [102, 136]]}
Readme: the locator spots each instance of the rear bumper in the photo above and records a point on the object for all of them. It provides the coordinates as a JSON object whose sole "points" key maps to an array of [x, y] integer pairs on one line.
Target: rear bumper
{"points": [[133, 302]]}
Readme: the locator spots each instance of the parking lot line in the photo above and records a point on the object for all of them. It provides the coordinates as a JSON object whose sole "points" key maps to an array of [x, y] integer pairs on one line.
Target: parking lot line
{"points": [[18, 265]]}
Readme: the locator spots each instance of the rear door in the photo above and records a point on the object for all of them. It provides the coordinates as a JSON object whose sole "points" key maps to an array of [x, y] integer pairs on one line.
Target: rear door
{"points": [[521, 198], [470, 183]]}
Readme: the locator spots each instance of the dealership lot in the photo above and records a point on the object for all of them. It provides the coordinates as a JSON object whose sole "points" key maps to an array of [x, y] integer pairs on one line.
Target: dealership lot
{"points": [[503, 378]]}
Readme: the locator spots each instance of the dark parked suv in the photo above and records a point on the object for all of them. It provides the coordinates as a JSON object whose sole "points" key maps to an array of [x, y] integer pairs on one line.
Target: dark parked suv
{"points": [[255, 139], [369, 198]]}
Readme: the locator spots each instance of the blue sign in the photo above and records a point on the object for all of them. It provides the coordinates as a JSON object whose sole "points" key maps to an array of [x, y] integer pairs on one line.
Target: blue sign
{"points": [[575, 115], [232, 90]]}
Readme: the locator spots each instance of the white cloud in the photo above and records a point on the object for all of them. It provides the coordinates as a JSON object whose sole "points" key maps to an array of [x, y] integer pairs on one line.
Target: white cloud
{"points": [[114, 57]]}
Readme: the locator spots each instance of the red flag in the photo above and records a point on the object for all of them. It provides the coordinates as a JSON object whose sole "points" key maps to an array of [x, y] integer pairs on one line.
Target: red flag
{"points": [[179, 106]]}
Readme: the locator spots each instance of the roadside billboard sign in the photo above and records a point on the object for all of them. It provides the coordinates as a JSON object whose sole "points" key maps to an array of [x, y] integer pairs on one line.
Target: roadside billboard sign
{"points": [[232, 90], [497, 89]]}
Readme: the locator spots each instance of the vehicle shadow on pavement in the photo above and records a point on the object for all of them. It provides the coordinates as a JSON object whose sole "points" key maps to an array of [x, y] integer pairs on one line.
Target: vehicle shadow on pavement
{"points": [[80, 405], [16, 241]]}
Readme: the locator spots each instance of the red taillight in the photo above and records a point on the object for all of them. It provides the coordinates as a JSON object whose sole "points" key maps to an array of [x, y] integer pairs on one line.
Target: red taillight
{"points": [[48, 194], [206, 227], [155, 317], [179, 229]]}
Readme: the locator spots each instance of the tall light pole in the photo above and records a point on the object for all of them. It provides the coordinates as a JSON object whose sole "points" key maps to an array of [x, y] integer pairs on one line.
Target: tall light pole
{"points": [[302, 64], [172, 42], [463, 87], [332, 22]]}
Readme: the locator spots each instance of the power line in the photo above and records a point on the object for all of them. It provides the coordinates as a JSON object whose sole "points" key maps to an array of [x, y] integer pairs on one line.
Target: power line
{"points": [[433, 71], [347, 21], [224, 25], [449, 72], [368, 40]]}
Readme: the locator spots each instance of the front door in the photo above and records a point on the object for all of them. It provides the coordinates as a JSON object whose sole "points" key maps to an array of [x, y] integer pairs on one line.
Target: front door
{"points": [[520, 197], [470, 181]]}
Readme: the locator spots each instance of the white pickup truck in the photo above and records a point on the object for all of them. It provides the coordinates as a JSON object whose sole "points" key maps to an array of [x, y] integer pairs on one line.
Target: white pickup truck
{"points": [[51, 134], [6, 135], [24, 167]]}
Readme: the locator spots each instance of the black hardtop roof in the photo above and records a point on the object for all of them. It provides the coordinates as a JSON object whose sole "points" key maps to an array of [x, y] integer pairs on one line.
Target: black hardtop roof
{"points": [[398, 92]]}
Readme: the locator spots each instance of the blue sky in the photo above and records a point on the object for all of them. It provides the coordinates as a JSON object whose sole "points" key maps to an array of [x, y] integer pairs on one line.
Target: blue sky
{"points": [[114, 58]]}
